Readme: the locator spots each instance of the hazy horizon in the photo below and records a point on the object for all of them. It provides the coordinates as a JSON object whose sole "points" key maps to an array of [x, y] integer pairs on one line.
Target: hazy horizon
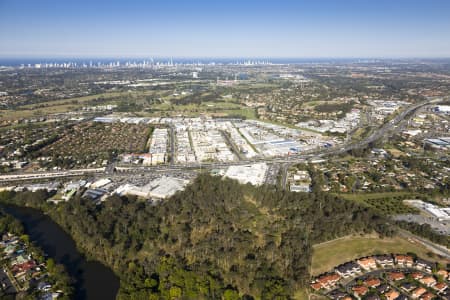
{"points": [[80, 61], [211, 57]]}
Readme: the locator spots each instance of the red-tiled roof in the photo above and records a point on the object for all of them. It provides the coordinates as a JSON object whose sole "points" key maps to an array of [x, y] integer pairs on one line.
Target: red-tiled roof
{"points": [[404, 258], [419, 292], [427, 296], [366, 262], [440, 286], [396, 275], [443, 273], [328, 278], [392, 294], [417, 275], [360, 290], [428, 280], [372, 282]]}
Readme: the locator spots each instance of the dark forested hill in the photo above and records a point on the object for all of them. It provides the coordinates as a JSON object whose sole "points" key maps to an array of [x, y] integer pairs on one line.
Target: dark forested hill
{"points": [[217, 239]]}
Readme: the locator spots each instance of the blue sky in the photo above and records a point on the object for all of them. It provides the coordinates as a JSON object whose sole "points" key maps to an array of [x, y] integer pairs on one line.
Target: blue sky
{"points": [[226, 28]]}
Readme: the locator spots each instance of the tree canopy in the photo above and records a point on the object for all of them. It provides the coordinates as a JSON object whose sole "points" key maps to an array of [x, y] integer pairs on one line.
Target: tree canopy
{"points": [[216, 239]]}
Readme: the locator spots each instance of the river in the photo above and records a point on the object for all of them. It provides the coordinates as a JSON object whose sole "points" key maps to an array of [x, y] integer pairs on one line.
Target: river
{"points": [[92, 279]]}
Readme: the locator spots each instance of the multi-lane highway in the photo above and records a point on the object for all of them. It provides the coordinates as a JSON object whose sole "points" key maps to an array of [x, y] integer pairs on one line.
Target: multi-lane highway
{"points": [[436, 248], [384, 131]]}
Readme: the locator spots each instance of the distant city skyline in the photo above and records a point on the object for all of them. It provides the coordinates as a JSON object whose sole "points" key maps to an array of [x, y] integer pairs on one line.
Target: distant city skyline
{"points": [[227, 29]]}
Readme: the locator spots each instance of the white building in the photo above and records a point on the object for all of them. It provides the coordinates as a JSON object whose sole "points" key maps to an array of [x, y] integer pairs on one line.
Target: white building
{"points": [[440, 213], [254, 174], [445, 109], [100, 183], [161, 188]]}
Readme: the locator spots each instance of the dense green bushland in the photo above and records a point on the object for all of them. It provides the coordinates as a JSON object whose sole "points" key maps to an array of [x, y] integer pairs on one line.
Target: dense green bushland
{"points": [[217, 239]]}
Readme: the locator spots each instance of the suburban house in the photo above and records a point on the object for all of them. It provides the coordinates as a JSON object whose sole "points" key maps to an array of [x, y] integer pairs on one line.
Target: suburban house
{"points": [[372, 282], [442, 273], [440, 287], [427, 296], [384, 260], [367, 263], [316, 286], [428, 281], [422, 264], [407, 287], [417, 275], [326, 281], [405, 260], [364, 278], [418, 292], [338, 295], [359, 291], [395, 276], [383, 288], [348, 269], [392, 294]]}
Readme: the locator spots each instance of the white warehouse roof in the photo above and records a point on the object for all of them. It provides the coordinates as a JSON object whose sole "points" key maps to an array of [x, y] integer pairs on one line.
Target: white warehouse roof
{"points": [[254, 174]]}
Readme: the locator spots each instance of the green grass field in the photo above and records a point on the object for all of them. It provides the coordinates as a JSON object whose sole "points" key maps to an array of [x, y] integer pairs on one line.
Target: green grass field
{"points": [[204, 106], [304, 294], [71, 100], [248, 113], [301, 295], [29, 113], [61, 105], [330, 254]]}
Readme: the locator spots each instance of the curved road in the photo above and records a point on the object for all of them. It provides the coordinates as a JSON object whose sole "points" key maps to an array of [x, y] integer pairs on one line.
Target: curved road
{"points": [[388, 129]]}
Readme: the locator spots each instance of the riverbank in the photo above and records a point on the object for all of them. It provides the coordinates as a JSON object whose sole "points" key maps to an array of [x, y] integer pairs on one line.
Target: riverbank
{"points": [[92, 279], [25, 271]]}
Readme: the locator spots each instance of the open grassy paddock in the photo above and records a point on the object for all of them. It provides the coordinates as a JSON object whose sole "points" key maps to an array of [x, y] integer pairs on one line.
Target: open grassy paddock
{"points": [[330, 254], [62, 105]]}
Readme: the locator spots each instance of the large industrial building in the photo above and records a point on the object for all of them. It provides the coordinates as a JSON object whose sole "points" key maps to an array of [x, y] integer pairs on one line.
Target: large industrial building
{"points": [[254, 174], [160, 188]]}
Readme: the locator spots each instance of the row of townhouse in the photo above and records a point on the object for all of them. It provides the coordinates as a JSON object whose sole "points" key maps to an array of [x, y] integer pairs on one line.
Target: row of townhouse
{"points": [[371, 263]]}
